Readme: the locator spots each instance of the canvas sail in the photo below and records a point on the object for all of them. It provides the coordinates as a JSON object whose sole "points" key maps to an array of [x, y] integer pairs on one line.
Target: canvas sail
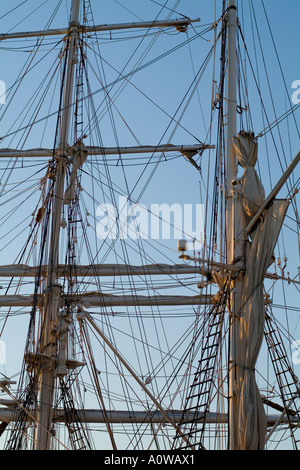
{"points": [[250, 426]]}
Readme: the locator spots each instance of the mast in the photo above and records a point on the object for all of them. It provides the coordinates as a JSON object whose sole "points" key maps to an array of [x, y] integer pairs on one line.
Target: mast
{"points": [[52, 304], [234, 224]]}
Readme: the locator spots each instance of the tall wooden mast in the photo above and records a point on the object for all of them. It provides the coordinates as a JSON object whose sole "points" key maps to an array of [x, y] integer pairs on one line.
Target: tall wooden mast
{"points": [[234, 223], [52, 305]]}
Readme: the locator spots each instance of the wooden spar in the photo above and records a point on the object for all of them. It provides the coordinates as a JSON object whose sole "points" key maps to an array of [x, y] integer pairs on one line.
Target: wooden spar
{"points": [[84, 316], [97, 299], [48, 153], [180, 24], [232, 217], [273, 193]]}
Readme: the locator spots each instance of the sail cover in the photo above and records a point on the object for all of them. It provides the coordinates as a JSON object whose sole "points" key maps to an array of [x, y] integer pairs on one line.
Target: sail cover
{"points": [[250, 425]]}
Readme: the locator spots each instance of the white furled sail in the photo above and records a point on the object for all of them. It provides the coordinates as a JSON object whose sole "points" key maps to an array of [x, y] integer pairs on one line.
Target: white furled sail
{"points": [[120, 140]]}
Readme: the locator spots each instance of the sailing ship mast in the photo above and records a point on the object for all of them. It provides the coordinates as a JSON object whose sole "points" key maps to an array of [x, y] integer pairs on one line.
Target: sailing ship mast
{"points": [[50, 357], [231, 213], [235, 223]]}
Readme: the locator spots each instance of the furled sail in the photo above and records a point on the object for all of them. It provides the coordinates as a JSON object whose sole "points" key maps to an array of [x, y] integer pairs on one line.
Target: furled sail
{"points": [[79, 155], [251, 422]]}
